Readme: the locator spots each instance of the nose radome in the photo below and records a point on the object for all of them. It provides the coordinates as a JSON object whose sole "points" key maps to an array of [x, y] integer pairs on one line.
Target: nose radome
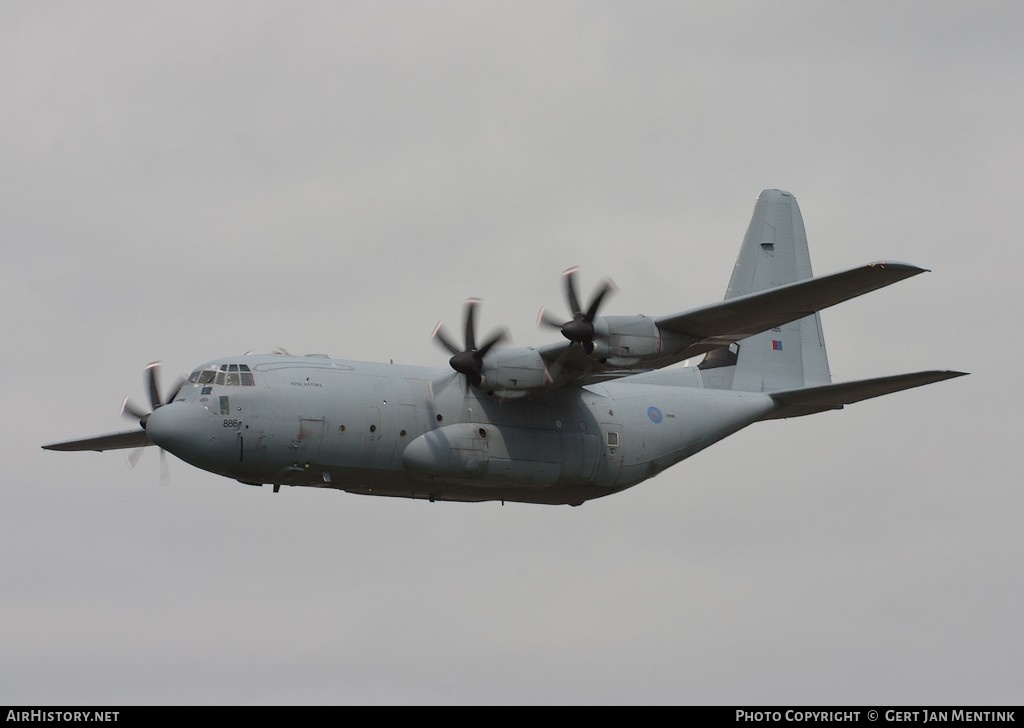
{"points": [[175, 427]]}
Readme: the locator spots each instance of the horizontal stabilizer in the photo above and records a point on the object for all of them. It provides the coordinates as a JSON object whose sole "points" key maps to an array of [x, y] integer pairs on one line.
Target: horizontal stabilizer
{"points": [[115, 441], [733, 319], [800, 402]]}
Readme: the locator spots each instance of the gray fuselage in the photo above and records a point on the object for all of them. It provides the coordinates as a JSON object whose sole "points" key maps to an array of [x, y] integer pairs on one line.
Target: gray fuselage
{"points": [[386, 429]]}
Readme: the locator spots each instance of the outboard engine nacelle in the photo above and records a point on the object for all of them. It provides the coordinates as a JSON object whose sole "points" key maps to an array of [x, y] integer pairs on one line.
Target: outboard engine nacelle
{"points": [[514, 369]]}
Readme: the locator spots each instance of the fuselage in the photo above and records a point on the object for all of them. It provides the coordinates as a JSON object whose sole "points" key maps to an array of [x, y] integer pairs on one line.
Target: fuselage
{"points": [[419, 432]]}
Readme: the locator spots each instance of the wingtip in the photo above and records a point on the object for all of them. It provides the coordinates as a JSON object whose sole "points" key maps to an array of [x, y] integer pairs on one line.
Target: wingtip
{"points": [[898, 266], [945, 374]]}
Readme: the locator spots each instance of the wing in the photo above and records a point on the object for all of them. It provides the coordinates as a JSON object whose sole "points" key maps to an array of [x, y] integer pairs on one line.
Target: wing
{"points": [[809, 401], [733, 319], [700, 330], [114, 441]]}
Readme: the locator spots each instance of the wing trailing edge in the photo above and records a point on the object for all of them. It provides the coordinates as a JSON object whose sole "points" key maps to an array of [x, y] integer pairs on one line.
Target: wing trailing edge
{"points": [[114, 441], [809, 401]]}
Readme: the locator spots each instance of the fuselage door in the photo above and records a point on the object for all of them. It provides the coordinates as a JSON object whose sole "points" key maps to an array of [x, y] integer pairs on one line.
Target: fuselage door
{"points": [[612, 452], [309, 440]]}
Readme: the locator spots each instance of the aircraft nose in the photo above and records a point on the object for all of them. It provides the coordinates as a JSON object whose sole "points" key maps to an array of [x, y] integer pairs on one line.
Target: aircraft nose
{"points": [[176, 427]]}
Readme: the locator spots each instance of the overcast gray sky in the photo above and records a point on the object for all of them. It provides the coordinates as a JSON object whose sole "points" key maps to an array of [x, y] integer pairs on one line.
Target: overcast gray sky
{"points": [[182, 181]]}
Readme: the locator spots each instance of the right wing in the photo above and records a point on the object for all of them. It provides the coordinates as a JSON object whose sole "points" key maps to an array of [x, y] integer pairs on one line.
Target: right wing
{"points": [[114, 441]]}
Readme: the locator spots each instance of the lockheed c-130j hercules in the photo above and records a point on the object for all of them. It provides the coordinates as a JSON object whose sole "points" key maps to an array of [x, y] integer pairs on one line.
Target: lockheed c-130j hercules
{"points": [[587, 416]]}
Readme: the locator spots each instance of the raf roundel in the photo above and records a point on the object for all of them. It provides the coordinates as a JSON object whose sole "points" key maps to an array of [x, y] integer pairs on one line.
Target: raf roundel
{"points": [[655, 414]]}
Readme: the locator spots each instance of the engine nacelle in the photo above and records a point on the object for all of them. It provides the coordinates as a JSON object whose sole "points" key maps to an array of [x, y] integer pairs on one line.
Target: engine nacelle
{"points": [[626, 340], [513, 369]]}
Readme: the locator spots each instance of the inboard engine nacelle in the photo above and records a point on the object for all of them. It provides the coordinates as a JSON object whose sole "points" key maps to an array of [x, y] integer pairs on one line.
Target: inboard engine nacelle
{"points": [[514, 369]]}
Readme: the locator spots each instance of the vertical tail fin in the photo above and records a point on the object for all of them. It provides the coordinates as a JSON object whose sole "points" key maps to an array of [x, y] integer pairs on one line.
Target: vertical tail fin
{"points": [[774, 252]]}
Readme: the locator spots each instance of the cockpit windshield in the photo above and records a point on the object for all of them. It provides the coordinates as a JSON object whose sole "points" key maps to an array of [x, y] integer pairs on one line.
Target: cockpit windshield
{"points": [[230, 375]]}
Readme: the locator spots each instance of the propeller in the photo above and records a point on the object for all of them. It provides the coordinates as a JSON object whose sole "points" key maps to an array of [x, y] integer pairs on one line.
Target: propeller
{"points": [[580, 329], [468, 361], [133, 412]]}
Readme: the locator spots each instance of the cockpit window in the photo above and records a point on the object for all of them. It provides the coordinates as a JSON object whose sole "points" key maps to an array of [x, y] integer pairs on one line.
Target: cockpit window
{"points": [[229, 375], [201, 376]]}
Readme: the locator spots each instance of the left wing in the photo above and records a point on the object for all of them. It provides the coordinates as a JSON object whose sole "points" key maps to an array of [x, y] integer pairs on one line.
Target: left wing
{"points": [[724, 323], [700, 330], [114, 441]]}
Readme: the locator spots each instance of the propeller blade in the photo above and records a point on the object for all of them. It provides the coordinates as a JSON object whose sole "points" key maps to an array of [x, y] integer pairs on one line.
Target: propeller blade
{"points": [[496, 339], [546, 319], [165, 473], [470, 327], [555, 370], [132, 411], [133, 457], [606, 288], [153, 370], [441, 337], [570, 291], [173, 392], [437, 386]]}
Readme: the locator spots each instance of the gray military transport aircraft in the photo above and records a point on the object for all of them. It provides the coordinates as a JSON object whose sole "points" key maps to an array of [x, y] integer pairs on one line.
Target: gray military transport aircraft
{"points": [[563, 423]]}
